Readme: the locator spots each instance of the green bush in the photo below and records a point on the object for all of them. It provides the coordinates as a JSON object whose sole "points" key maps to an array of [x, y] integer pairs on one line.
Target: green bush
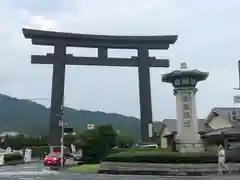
{"points": [[97, 143], [119, 150], [154, 156], [43, 150], [16, 156], [39, 151]]}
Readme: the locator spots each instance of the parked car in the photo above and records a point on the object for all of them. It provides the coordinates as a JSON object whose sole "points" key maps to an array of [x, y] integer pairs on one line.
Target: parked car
{"points": [[146, 145], [149, 146], [77, 157], [53, 159]]}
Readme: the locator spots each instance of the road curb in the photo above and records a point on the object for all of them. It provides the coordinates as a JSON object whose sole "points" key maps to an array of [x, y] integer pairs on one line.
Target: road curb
{"points": [[165, 169]]}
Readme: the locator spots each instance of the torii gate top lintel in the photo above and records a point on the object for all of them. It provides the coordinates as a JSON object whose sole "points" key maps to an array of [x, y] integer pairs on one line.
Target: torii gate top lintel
{"points": [[40, 37]]}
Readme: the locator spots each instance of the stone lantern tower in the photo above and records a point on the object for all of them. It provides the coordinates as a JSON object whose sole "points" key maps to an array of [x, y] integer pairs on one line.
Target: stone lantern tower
{"points": [[184, 82]]}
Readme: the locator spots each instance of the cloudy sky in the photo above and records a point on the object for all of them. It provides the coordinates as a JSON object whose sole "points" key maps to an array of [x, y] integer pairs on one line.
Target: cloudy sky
{"points": [[209, 37]]}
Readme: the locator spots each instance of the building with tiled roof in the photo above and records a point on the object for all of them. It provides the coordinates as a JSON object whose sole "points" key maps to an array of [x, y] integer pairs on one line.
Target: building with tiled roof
{"points": [[218, 118]]}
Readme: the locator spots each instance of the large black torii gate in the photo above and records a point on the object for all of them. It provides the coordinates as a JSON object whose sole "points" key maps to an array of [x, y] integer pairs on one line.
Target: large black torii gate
{"points": [[60, 59]]}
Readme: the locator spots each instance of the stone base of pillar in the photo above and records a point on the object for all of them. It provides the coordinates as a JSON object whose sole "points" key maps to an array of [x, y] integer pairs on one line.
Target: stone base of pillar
{"points": [[184, 146]]}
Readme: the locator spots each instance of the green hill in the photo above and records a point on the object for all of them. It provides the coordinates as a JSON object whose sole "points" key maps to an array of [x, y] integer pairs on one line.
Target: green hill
{"points": [[32, 118]]}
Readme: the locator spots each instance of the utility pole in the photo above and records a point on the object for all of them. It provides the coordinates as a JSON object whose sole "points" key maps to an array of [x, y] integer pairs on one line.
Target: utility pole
{"points": [[236, 98], [62, 124], [238, 74], [62, 140], [238, 88], [62, 135]]}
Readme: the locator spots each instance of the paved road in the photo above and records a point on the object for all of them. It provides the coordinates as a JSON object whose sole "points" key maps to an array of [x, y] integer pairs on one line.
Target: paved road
{"points": [[38, 172], [20, 171]]}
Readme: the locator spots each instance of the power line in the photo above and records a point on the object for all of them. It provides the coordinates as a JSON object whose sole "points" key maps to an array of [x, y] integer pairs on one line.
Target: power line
{"points": [[36, 99]]}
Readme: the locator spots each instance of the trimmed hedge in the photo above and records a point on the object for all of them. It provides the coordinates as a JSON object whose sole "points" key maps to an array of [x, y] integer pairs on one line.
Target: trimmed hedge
{"points": [[41, 151], [163, 157], [120, 150], [13, 157]]}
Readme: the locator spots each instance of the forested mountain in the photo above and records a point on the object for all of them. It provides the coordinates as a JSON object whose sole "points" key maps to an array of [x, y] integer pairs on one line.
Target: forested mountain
{"points": [[32, 118]]}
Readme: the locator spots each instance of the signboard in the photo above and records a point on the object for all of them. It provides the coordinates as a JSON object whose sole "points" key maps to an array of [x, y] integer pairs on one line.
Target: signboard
{"points": [[28, 155], [186, 109], [186, 118], [64, 123], [235, 115], [236, 99], [68, 130], [90, 126], [186, 123], [73, 148], [150, 129], [8, 150], [1, 159]]}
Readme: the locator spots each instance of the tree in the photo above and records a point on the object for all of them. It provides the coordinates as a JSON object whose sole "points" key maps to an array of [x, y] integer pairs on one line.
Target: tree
{"points": [[21, 141], [33, 119], [97, 142], [108, 136], [123, 141], [69, 139]]}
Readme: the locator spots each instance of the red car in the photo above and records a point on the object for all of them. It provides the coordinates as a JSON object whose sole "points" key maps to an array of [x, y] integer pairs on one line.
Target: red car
{"points": [[53, 159]]}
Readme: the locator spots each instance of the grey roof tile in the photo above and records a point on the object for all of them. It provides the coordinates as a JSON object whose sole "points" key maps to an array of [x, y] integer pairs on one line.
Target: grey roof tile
{"points": [[225, 112], [228, 131], [158, 126]]}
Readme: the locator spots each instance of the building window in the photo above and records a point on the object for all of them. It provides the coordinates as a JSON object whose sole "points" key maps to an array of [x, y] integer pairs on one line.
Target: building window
{"points": [[186, 107], [234, 115], [193, 81], [185, 81], [186, 123], [234, 118], [177, 82], [185, 98], [186, 115]]}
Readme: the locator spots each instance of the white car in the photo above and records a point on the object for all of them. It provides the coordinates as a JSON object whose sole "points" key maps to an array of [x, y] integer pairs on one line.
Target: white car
{"points": [[149, 146]]}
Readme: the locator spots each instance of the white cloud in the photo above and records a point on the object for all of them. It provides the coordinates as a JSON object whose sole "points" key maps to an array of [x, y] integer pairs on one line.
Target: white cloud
{"points": [[42, 23], [208, 39]]}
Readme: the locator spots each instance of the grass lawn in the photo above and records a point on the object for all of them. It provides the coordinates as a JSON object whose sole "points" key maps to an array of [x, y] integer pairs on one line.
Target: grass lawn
{"points": [[87, 168]]}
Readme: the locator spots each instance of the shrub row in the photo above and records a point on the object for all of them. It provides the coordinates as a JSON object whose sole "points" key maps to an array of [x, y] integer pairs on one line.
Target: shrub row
{"points": [[40, 151], [16, 156], [162, 157], [119, 150]]}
